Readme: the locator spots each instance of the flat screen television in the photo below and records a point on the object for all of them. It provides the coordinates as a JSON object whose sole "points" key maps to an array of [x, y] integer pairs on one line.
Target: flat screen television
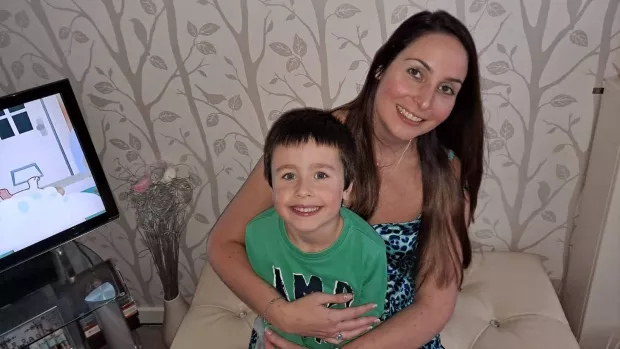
{"points": [[52, 185]]}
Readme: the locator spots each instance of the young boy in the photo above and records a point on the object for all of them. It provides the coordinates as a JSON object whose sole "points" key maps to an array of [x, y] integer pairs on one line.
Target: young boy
{"points": [[308, 242]]}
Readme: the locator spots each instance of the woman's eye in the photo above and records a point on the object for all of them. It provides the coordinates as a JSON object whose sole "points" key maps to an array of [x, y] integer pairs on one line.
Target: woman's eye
{"points": [[320, 175], [446, 89], [416, 73], [288, 176]]}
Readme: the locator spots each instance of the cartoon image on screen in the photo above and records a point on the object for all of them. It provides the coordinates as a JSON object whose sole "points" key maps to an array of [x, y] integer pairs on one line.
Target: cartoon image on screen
{"points": [[45, 183]]}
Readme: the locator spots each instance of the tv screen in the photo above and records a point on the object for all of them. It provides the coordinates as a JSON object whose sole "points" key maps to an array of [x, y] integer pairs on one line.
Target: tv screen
{"points": [[52, 186]]}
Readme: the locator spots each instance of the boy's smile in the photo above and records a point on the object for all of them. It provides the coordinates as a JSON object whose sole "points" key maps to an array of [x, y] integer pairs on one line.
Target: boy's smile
{"points": [[308, 189]]}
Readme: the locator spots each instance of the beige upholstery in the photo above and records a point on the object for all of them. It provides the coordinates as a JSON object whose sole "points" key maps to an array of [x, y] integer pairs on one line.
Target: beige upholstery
{"points": [[507, 302]]}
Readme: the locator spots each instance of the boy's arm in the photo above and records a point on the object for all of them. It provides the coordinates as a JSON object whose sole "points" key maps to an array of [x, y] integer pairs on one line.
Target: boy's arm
{"points": [[257, 249], [375, 283]]}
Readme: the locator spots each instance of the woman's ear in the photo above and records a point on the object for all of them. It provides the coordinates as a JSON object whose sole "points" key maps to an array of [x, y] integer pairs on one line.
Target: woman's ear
{"points": [[379, 72]]}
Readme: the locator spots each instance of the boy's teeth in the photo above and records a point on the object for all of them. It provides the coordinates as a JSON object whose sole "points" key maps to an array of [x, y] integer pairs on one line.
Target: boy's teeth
{"points": [[404, 112], [306, 209]]}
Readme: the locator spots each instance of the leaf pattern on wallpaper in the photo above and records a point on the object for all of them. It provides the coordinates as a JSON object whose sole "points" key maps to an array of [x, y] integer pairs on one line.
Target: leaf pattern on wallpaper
{"points": [[399, 14], [5, 39], [209, 29], [22, 19], [206, 48], [148, 6], [104, 87], [346, 11], [205, 94], [80, 37], [579, 38], [158, 62], [531, 166], [5, 15], [18, 69]]}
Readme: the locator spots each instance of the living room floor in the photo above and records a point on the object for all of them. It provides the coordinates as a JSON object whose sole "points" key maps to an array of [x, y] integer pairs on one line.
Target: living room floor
{"points": [[150, 337]]}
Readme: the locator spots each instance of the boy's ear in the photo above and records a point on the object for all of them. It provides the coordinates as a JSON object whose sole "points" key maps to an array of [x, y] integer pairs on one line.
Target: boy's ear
{"points": [[346, 195]]}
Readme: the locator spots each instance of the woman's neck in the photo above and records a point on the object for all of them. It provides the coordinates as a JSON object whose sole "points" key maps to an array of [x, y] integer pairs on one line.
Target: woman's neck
{"points": [[395, 152], [389, 149]]}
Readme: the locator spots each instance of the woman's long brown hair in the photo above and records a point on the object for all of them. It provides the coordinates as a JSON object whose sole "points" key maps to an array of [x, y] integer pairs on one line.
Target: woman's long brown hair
{"points": [[443, 229]]}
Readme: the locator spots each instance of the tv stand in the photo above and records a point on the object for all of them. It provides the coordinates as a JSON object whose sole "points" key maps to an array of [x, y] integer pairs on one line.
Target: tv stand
{"points": [[46, 296]]}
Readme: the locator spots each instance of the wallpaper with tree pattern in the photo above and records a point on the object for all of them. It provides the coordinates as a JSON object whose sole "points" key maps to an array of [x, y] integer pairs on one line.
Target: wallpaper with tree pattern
{"points": [[198, 83]]}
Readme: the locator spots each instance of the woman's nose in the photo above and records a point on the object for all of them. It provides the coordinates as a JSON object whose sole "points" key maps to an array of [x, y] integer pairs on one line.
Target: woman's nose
{"points": [[424, 97]]}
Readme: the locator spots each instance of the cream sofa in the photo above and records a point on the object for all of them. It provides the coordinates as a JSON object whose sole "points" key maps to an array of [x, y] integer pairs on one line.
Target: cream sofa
{"points": [[507, 302]]}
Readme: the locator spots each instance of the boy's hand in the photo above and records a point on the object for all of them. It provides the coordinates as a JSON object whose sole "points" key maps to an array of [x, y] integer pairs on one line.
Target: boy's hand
{"points": [[273, 341], [310, 317]]}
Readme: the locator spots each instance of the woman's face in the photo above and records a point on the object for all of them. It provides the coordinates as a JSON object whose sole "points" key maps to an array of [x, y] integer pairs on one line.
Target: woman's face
{"points": [[418, 89]]}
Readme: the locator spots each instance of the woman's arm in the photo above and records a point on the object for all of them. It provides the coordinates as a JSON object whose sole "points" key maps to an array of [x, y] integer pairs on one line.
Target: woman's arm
{"points": [[417, 324], [227, 255], [226, 243]]}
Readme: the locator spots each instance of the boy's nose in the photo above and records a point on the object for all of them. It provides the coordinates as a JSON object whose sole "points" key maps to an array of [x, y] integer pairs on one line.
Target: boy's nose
{"points": [[304, 188]]}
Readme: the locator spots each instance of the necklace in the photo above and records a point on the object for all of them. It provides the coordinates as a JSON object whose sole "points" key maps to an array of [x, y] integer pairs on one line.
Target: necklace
{"points": [[399, 159]]}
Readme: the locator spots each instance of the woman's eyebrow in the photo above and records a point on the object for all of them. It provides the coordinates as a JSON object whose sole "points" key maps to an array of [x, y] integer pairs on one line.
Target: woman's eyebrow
{"points": [[428, 67]]}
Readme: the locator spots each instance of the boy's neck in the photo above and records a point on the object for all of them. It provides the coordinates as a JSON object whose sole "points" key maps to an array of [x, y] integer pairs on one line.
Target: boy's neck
{"points": [[318, 240]]}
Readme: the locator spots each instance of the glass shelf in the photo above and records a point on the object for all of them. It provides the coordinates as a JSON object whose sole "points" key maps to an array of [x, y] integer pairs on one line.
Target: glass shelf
{"points": [[56, 315]]}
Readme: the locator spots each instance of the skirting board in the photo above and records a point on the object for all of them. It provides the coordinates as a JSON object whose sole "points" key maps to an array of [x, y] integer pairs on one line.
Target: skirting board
{"points": [[151, 315]]}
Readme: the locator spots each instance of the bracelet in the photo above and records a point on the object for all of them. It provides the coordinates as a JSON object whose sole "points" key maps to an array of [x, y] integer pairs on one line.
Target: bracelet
{"points": [[269, 305]]}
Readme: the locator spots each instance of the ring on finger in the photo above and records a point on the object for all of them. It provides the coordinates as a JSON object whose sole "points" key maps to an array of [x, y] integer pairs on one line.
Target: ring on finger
{"points": [[339, 336]]}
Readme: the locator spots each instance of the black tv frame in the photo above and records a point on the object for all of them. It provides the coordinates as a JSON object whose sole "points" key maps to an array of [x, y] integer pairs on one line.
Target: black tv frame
{"points": [[63, 87]]}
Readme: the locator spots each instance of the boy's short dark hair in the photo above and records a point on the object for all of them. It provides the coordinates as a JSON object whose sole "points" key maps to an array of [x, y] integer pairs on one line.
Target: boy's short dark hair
{"points": [[298, 126]]}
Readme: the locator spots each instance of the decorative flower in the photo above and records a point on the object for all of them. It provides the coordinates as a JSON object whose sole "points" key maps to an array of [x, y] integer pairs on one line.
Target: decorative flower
{"points": [[142, 185], [161, 199]]}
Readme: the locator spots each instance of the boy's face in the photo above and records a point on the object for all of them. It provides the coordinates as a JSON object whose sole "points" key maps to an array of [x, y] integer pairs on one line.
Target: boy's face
{"points": [[308, 186]]}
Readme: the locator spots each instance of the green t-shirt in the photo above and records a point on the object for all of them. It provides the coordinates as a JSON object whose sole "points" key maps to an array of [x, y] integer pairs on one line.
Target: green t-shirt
{"points": [[356, 263]]}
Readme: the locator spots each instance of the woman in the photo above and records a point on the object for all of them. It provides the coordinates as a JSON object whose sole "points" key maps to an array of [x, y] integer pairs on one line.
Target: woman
{"points": [[419, 130]]}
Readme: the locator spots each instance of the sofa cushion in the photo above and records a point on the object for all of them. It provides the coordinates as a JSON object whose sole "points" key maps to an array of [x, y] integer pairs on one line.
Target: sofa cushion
{"points": [[507, 302]]}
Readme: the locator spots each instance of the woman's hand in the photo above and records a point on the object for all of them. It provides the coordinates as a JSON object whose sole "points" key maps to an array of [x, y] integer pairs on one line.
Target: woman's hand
{"points": [[310, 317]]}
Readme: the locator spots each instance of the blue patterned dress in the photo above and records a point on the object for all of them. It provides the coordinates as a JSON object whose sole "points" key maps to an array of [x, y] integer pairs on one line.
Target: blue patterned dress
{"points": [[401, 242]]}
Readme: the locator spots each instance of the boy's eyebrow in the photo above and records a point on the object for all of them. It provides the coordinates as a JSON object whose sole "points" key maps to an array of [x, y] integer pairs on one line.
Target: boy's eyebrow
{"points": [[321, 165], [286, 166]]}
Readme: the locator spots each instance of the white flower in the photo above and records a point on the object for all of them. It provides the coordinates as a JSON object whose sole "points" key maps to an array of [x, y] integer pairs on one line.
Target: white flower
{"points": [[169, 175]]}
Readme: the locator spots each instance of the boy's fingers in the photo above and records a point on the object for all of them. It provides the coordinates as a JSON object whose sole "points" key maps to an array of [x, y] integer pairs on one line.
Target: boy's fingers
{"points": [[273, 341], [324, 298]]}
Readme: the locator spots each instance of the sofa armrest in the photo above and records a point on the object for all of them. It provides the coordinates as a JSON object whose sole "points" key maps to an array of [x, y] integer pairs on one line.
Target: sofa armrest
{"points": [[216, 318], [507, 301]]}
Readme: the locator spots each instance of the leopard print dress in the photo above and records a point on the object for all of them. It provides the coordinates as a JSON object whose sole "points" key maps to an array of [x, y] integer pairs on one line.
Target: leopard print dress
{"points": [[401, 242]]}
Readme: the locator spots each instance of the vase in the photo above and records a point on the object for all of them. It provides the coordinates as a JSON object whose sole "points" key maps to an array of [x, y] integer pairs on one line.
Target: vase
{"points": [[174, 311]]}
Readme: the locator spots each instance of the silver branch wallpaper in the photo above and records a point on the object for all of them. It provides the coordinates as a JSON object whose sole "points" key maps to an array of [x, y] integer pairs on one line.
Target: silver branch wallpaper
{"points": [[198, 83]]}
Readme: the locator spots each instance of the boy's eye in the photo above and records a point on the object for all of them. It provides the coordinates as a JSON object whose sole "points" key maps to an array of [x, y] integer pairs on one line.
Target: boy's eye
{"points": [[320, 175], [416, 73], [288, 176]]}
